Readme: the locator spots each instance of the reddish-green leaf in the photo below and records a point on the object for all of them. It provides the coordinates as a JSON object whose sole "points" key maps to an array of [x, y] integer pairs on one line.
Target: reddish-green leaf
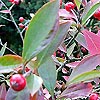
{"points": [[21, 95], [38, 30], [42, 56], [85, 77], [77, 91], [86, 65], [3, 91], [8, 62]]}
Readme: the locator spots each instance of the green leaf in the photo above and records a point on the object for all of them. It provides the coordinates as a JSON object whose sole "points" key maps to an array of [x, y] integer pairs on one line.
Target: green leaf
{"points": [[78, 3], [86, 65], [2, 51], [34, 83], [85, 77], [38, 30], [90, 12], [8, 62], [47, 71], [42, 56], [21, 95]]}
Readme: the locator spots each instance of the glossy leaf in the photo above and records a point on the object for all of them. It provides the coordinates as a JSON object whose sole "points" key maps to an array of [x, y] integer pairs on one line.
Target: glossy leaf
{"points": [[77, 91], [85, 77], [42, 56], [86, 65], [8, 62], [38, 30], [21, 95], [78, 3], [2, 51], [47, 71], [34, 83], [92, 42], [90, 12]]}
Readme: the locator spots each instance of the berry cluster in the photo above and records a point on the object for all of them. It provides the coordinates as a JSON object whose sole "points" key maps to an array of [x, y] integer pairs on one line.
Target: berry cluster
{"points": [[21, 25], [97, 14], [17, 2]]}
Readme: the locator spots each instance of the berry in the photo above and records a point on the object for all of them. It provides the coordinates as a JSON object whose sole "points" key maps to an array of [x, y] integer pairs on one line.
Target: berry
{"points": [[17, 82], [21, 25], [21, 19], [60, 2], [93, 96], [83, 50], [17, 2], [11, 1], [69, 6], [97, 14]]}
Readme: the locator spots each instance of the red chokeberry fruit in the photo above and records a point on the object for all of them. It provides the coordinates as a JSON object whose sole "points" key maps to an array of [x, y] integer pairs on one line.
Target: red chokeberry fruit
{"points": [[97, 14], [69, 6], [11, 1], [17, 2], [93, 96], [21, 25], [17, 82], [21, 19]]}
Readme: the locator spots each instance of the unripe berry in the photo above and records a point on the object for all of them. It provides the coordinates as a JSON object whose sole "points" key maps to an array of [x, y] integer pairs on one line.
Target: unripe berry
{"points": [[21, 25], [69, 6], [93, 96], [17, 82], [97, 14], [21, 19]]}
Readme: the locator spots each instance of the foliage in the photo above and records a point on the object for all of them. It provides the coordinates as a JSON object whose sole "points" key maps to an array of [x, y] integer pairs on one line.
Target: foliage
{"points": [[60, 56]]}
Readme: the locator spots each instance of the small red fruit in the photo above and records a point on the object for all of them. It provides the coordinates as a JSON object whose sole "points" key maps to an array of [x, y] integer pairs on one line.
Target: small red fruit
{"points": [[11, 1], [93, 96], [17, 2], [60, 2], [21, 19], [97, 14], [69, 6], [21, 25], [17, 82]]}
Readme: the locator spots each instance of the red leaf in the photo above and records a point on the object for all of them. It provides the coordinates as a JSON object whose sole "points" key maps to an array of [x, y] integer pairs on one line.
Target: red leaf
{"points": [[77, 91], [92, 42], [2, 91]]}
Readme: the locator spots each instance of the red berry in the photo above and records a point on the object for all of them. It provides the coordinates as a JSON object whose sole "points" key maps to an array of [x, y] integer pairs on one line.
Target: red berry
{"points": [[93, 96], [83, 50], [17, 2], [21, 19], [11, 1], [97, 14], [69, 6], [17, 82], [21, 25], [60, 2]]}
